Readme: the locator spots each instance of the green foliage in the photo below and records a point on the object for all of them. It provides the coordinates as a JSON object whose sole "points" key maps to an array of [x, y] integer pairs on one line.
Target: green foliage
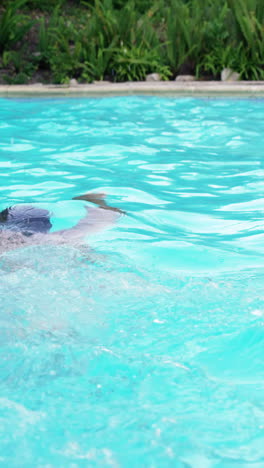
{"points": [[249, 27], [20, 70], [178, 34], [44, 5], [45, 40], [133, 64], [105, 40], [13, 25], [140, 5], [97, 62], [66, 58], [127, 39]]}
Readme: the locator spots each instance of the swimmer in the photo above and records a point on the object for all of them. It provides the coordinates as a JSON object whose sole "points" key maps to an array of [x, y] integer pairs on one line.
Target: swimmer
{"points": [[21, 226]]}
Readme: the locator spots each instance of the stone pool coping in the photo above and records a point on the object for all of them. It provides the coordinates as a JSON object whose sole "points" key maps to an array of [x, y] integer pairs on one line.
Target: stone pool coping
{"points": [[173, 88]]}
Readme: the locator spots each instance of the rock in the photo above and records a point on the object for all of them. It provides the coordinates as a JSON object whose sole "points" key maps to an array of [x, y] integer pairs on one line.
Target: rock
{"points": [[229, 75], [36, 84], [185, 78], [73, 82], [153, 77]]}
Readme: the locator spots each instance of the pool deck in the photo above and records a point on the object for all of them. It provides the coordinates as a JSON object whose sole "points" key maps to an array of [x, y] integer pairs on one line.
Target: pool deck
{"points": [[173, 88]]}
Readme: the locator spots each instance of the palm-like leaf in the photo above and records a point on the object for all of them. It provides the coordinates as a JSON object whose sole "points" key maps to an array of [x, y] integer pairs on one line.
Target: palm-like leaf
{"points": [[13, 26]]}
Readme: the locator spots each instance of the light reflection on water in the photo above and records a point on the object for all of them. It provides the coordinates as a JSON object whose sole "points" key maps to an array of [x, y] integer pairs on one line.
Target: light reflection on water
{"points": [[144, 346]]}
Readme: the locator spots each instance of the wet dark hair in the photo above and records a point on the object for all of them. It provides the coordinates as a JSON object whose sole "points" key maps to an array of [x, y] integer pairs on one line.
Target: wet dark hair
{"points": [[4, 215], [27, 220]]}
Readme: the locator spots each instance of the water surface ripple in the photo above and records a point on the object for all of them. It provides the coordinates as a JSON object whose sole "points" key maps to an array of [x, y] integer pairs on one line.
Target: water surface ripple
{"points": [[144, 348]]}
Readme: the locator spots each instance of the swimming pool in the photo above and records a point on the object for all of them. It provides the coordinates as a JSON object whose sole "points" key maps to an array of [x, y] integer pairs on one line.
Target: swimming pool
{"points": [[145, 348]]}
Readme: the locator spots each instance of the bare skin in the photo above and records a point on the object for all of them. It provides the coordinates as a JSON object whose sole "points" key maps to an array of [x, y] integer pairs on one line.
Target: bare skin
{"points": [[96, 219]]}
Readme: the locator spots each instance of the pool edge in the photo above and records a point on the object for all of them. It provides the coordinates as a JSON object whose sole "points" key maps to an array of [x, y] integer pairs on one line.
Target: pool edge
{"points": [[193, 88]]}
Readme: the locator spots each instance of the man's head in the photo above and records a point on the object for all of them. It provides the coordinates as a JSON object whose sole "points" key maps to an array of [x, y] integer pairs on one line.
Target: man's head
{"points": [[25, 219]]}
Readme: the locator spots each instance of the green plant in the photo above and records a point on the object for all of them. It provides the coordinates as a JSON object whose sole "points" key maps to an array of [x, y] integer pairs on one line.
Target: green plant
{"points": [[20, 69], [97, 60], [140, 5], [60, 49], [102, 20], [13, 25], [19, 78], [249, 63], [217, 51], [179, 30], [216, 59], [48, 33], [66, 64], [127, 39], [44, 5], [133, 64], [194, 31], [44, 44], [248, 20]]}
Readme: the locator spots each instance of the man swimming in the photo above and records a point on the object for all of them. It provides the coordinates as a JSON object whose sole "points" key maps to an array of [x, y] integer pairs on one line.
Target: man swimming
{"points": [[25, 225]]}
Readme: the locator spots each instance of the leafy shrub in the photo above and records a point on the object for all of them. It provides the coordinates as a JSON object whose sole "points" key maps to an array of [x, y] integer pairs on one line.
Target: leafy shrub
{"points": [[97, 63], [13, 25], [140, 5], [133, 64], [66, 61], [44, 5], [20, 69], [248, 18], [127, 39]]}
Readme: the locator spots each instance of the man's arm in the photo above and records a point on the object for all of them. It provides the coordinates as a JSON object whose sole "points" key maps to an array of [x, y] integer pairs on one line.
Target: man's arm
{"points": [[95, 220]]}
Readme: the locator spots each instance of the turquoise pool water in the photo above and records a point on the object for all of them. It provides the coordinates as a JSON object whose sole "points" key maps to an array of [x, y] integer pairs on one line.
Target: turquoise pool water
{"points": [[143, 347]]}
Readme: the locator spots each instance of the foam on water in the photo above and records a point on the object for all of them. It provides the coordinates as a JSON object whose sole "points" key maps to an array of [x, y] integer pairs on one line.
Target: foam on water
{"points": [[141, 346]]}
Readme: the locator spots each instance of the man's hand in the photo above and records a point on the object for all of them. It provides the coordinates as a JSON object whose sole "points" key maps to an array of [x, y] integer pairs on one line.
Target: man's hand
{"points": [[99, 200]]}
